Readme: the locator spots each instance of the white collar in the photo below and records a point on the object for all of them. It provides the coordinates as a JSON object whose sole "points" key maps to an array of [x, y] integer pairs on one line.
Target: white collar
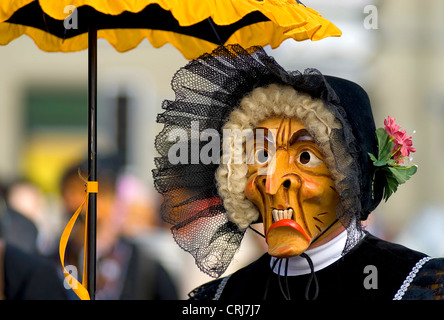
{"points": [[322, 257]]}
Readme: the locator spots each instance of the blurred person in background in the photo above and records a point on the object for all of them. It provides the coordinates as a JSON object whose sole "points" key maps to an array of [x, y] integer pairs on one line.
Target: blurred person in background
{"points": [[142, 224], [125, 271], [20, 202], [24, 275]]}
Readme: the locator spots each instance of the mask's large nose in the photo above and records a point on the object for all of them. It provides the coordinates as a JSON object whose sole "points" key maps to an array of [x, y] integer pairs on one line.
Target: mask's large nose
{"points": [[280, 174], [285, 236]]}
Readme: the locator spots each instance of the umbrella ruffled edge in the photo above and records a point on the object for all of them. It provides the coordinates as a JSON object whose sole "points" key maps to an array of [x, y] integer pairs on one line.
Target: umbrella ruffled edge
{"points": [[190, 12], [127, 39]]}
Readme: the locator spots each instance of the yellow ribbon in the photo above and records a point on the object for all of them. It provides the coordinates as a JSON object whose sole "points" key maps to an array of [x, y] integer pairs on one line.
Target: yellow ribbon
{"points": [[77, 287]]}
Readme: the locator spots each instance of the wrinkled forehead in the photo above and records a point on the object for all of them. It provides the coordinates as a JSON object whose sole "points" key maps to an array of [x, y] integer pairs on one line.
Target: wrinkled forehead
{"points": [[281, 131]]}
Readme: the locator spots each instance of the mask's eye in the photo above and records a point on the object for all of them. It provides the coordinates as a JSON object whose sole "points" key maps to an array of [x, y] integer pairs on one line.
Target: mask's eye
{"points": [[309, 159], [261, 156]]}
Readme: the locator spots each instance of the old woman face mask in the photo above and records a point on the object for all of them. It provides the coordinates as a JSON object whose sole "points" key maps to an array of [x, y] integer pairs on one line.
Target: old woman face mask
{"points": [[291, 186]]}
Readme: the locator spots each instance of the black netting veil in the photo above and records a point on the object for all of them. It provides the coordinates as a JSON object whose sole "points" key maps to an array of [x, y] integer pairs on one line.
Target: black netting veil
{"points": [[207, 90]]}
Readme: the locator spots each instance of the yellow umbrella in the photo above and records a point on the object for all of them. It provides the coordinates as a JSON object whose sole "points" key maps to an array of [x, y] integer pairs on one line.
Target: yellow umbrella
{"points": [[192, 26]]}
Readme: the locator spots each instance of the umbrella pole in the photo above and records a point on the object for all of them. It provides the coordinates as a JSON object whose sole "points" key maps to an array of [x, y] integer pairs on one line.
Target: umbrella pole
{"points": [[91, 232]]}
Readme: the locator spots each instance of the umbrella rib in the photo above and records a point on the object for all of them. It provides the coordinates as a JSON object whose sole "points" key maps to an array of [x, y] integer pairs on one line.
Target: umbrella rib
{"points": [[214, 30]]}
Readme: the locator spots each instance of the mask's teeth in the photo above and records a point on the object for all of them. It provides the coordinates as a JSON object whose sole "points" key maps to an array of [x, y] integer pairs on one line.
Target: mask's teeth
{"points": [[290, 213], [282, 214], [275, 217]]}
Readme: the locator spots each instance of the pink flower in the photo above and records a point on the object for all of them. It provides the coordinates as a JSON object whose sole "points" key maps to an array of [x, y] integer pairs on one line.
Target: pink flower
{"points": [[402, 146], [390, 126], [398, 158], [400, 137], [402, 143], [407, 148]]}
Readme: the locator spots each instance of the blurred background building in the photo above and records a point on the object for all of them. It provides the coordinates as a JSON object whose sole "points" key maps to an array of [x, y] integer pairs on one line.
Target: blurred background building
{"points": [[393, 48]]}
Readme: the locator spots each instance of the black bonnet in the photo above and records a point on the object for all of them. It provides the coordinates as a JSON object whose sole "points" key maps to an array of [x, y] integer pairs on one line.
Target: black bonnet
{"points": [[356, 104]]}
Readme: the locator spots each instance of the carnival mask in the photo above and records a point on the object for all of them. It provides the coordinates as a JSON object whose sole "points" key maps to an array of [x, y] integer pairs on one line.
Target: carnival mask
{"points": [[291, 186]]}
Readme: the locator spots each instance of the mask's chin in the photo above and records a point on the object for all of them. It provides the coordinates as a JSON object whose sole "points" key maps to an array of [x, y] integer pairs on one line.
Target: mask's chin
{"points": [[286, 238]]}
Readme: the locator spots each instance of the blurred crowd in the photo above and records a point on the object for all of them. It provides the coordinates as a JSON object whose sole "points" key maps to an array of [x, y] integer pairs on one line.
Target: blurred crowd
{"points": [[136, 255]]}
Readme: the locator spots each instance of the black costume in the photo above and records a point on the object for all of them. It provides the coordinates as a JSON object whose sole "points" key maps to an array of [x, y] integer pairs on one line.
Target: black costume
{"points": [[342, 280]]}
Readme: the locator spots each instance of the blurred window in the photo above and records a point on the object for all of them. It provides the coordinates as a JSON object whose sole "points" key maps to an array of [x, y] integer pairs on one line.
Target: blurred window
{"points": [[56, 108]]}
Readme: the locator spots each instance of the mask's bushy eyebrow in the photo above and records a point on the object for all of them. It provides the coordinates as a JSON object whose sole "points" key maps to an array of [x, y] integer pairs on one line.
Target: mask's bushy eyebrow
{"points": [[301, 135]]}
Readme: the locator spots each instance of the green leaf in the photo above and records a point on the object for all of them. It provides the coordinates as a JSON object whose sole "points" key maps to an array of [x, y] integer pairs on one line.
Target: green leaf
{"points": [[402, 174], [390, 186], [394, 174], [374, 159], [379, 163], [376, 162], [385, 146]]}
